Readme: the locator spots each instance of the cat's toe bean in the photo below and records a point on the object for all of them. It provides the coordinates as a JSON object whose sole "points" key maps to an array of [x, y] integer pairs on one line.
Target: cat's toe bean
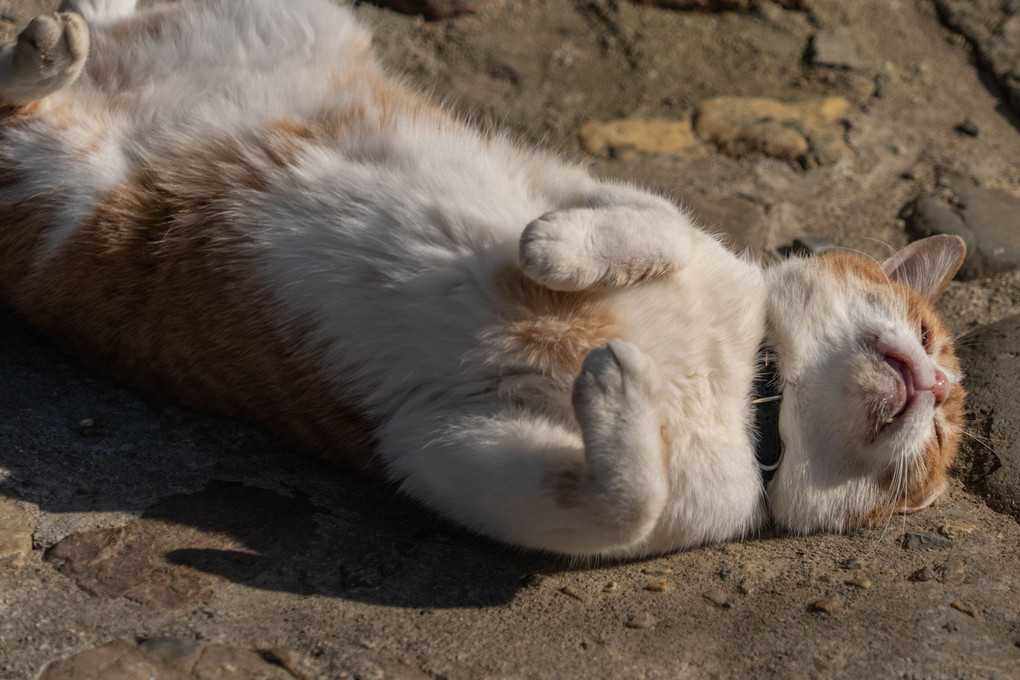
{"points": [[620, 370]]}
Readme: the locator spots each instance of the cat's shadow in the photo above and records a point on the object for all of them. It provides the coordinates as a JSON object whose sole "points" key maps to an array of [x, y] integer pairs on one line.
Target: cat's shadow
{"points": [[219, 500]]}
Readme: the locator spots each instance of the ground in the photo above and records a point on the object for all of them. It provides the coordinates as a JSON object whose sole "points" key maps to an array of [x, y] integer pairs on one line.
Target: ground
{"points": [[139, 539]]}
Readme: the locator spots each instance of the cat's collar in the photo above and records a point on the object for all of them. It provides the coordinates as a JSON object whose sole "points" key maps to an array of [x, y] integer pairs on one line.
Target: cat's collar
{"points": [[767, 398]]}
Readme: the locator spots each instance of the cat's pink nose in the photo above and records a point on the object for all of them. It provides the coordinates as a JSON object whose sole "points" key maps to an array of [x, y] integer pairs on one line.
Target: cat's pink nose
{"points": [[941, 387]]}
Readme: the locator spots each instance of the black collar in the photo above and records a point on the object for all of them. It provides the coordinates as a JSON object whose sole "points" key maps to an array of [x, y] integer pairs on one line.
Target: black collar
{"points": [[767, 398]]}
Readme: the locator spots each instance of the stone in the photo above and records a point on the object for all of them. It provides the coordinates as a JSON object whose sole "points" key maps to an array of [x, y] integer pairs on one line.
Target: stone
{"points": [[184, 545], [166, 659], [955, 530], [658, 587], [641, 621], [16, 528], [434, 10], [809, 133], [963, 607], [993, 28], [717, 597], [925, 573], [630, 137], [862, 583], [988, 220], [833, 47], [990, 462], [968, 127], [913, 540], [827, 605]]}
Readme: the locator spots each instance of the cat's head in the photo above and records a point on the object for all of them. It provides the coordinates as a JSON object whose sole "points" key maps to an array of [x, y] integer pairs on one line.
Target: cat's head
{"points": [[872, 408]]}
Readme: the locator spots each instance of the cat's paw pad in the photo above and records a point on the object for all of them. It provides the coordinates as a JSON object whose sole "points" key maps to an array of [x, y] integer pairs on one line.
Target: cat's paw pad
{"points": [[616, 378], [554, 251], [48, 55]]}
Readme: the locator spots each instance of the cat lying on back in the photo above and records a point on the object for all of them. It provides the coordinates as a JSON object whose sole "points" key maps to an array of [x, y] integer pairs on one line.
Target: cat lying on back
{"points": [[232, 203]]}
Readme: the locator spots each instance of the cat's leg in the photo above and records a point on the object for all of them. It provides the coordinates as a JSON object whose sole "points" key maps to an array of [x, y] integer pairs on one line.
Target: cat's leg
{"points": [[46, 57], [98, 11], [531, 482], [609, 236]]}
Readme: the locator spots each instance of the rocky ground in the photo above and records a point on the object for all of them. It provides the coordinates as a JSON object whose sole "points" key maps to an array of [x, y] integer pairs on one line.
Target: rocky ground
{"points": [[139, 540]]}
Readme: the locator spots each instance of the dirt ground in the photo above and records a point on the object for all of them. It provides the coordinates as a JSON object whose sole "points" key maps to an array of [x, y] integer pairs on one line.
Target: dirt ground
{"points": [[139, 540]]}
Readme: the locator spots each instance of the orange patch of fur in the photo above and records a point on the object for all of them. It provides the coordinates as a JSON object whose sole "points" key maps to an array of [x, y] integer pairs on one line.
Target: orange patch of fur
{"points": [[548, 330], [157, 289]]}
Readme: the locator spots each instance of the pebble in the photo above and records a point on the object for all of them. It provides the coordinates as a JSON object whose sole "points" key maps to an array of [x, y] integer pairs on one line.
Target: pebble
{"points": [[961, 607], [641, 621], [658, 587], [923, 574], [572, 592], [862, 583], [611, 587], [954, 567], [955, 530], [717, 597], [745, 586], [833, 47], [725, 574], [657, 572], [827, 605], [968, 128], [919, 541]]}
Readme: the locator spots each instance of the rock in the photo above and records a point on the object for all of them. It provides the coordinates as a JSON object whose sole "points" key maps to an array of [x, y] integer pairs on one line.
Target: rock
{"points": [[808, 133], [720, 5], [641, 621], [167, 659], [955, 530], [630, 137], [833, 47], [658, 587], [827, 605], [16, 527], [717, 597], [746, 587], [918, 541], [963, 607], [434, 10], [741, 221], [923, 574], [990, 465], [969, 128], [861, 583], [184, 545], [993, 28], [987, 219]]}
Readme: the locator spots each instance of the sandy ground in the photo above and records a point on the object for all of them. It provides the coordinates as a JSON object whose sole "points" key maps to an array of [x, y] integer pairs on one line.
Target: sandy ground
{"points": [[170, 540]]}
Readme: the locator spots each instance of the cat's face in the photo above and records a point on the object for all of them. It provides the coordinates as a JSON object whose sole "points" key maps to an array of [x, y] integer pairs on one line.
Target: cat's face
{"points": [[872, 403]]}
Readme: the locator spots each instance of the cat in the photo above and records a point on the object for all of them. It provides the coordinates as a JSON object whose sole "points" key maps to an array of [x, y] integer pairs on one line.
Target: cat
{"points": [[232, 203]]}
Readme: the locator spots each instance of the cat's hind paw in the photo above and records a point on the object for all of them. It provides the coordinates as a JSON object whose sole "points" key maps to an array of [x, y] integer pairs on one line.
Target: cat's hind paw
{"points": [[555, 252], [616, 382], [47, 56]]}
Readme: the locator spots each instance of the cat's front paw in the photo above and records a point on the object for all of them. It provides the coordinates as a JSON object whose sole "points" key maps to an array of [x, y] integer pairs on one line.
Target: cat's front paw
{"points": [[554, 251], [48, 55], [618, 381]]}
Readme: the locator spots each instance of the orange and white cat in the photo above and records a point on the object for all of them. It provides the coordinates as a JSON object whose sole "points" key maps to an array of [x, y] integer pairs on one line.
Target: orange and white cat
{"points": [[231, 202]]}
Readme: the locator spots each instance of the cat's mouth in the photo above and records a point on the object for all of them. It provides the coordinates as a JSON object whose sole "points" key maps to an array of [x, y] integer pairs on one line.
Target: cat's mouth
{"points": [[904, 386]]}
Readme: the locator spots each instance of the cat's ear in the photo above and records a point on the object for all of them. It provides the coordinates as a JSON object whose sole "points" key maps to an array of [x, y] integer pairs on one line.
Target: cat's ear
{"points": [[927, 265]]}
